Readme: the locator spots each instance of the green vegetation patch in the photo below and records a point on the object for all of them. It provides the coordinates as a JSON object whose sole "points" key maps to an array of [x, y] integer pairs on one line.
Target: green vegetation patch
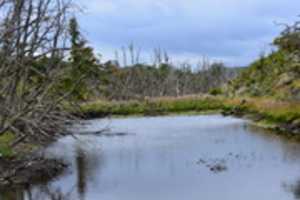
{"points": [[153, 106], [5, 141]]}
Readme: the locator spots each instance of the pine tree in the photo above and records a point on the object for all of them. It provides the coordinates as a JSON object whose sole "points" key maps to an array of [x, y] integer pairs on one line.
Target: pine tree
{"points": [[83, 63]]}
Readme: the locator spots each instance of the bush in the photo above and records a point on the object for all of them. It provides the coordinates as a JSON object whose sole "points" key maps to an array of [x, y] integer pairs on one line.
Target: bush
{"points": [[216, 91]]}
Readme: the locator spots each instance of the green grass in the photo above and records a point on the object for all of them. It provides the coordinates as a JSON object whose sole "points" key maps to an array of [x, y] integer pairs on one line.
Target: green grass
{"points": [[269, 110], [158, 106], [274, 111]]}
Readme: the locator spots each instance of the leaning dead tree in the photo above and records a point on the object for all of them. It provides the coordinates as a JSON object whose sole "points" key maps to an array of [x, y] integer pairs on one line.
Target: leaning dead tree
{"points": [[33, 47]]}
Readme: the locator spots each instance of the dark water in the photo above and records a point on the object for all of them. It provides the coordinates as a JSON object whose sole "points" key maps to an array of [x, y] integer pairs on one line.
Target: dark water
{"points": [[170, 158]]}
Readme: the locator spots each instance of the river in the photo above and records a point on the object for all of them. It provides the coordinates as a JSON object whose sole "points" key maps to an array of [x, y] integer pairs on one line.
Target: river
{"points": [[208, 157]]}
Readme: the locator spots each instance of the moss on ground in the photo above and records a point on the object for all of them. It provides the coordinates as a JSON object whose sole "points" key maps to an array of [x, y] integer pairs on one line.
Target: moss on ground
{"points": [[5, 141]]}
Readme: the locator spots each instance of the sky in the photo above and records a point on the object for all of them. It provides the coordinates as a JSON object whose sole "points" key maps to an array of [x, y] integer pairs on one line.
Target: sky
{"points": [[233, 31]]}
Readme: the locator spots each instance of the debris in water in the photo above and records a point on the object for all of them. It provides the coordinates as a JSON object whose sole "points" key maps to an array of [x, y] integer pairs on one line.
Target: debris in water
{"points": [[218, 168]]}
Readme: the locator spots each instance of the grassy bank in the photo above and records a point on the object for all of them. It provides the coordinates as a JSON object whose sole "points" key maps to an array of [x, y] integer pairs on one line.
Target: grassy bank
{"points": [[281, 116], [157, 106], [267, 112], [269, 109]]}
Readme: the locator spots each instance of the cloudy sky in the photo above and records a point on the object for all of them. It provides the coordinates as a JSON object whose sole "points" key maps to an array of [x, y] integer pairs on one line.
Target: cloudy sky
{"points": [[234, 31]]}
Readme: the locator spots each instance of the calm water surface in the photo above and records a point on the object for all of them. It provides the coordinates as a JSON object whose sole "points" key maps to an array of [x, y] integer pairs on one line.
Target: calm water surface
{"points": [[170, 158]]}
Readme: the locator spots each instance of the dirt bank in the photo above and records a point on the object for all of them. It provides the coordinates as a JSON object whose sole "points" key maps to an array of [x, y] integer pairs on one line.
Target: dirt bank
{"points": [[22, 172]]}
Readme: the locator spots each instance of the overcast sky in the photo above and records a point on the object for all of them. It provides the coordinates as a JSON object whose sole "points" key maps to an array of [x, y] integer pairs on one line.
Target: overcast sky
{"points": [[234, 31]]}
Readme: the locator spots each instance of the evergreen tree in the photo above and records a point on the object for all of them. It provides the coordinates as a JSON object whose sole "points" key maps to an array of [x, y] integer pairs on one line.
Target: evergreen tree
{"points": [[84, 66]]}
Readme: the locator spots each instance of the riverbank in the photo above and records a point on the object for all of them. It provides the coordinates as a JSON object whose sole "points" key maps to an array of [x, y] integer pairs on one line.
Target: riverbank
{"points": [[283, 117], [152, 107], [280, 116], [24, 171], [23, 165]]}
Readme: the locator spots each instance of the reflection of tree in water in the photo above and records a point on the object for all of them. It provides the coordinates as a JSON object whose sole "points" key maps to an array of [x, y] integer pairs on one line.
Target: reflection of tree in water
{"points": [[297, 190], [293, 188], [81, 164], [290, 149], [54, 194], [88, 164]]}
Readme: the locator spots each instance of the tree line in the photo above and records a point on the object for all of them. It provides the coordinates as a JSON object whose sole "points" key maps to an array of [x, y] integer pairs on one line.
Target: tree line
{"points": [[140, 81]]}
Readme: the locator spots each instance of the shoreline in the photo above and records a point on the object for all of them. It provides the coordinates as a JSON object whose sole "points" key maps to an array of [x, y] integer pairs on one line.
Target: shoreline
{"points": [[23, 172], [281, 117], [27, 166], [32, 166]]}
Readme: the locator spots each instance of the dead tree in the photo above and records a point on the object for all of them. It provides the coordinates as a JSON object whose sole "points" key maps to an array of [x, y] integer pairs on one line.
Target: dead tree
{"points": [[131, 52], [33, 47], [124, 54]]}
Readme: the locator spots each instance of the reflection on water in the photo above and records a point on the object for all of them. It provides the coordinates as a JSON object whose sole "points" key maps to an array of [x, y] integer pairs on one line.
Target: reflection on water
{"points": [[170, 158], [293, 188], [86, 165], [296, 190], [81, 172]]}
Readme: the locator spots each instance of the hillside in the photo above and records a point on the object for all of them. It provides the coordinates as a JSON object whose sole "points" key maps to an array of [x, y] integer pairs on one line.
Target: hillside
{"points": [[276, 75]]}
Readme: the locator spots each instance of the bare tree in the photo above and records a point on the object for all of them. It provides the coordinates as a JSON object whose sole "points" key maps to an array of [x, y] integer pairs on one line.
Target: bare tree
{"points": [[157, 56], [138, 55], [131, 52], [117, 57], [166, 57], [124, 56], [33, 46]]}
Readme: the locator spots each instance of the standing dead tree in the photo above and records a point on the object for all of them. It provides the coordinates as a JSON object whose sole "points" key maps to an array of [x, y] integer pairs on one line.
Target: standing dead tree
{"points": [[33, 47], [289, 39]]}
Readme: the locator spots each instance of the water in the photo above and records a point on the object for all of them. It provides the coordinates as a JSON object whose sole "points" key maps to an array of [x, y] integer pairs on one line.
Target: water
{"points": [[170, 158]]}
